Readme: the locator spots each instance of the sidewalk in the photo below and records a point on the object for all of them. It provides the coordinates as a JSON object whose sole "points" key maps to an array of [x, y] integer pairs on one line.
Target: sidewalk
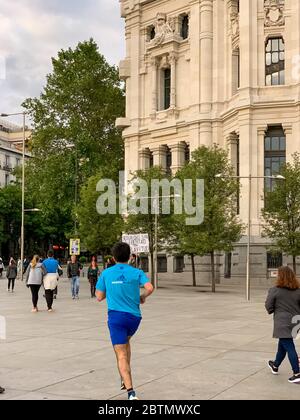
{"points": [[192, 345]]}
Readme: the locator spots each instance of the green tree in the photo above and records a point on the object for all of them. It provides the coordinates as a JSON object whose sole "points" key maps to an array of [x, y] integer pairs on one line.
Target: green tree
{"points": [[221, 227], [282, 211], [98, 232], [74, 132]]}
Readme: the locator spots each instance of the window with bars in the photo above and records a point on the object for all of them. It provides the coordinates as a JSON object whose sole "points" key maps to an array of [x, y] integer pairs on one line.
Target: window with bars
{"points": [[275, 62], [275, 154], [274, 260]]}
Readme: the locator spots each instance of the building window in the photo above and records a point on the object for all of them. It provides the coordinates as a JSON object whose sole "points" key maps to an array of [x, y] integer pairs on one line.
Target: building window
{"points": [[162, 264], [187, 153], [184, 27], [7, 160], [275, 154], [274, 260], [235, 70], [168, 160], [167, 88], [6, 179], [150, 33], [18, 161], [275, 62], [151, 160]]}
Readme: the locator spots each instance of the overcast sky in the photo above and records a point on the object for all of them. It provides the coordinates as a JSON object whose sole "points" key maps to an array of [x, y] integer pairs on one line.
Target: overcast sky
{"points": [[33, 31]]}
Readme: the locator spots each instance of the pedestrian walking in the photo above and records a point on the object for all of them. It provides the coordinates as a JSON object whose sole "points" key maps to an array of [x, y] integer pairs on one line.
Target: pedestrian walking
{"points": [[73, 270], [283, 302], [34, 279], [120, 285], [110, 262], [50, 280], [11, 274], [1, 267], [93, 273]]}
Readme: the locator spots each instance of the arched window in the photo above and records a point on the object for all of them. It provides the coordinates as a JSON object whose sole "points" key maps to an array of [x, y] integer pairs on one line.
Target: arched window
{"points": [[275, 62]]}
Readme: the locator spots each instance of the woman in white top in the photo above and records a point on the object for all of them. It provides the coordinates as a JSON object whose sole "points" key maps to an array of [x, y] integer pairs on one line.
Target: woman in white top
{"points": [[34, 279]]}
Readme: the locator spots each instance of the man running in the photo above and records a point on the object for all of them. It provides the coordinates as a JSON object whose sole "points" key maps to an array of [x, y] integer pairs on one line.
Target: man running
{"points": [[120, 285]]}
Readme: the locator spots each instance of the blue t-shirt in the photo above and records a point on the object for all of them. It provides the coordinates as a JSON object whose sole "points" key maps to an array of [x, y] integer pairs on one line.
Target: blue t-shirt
{"points": [[122, 283], [51, 265]]}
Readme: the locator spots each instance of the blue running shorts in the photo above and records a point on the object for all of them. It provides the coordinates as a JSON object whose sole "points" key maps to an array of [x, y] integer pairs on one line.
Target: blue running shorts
{"points": [[121, 326]]}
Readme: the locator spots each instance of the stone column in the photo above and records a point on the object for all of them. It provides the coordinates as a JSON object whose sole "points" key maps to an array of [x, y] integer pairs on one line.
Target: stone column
{"points": [[172, 60], [291, 146], [259, 185], [154, 86], [160, 156], [144, 159], [178, 156], [232, 146], [206, 49]]}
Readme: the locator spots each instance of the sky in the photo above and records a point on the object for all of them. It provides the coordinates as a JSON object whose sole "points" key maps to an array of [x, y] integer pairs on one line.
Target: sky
{"points": [[33, 31]]}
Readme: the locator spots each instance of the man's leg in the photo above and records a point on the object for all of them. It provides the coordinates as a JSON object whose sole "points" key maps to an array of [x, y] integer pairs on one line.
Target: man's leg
{"points": [[123, 361], [73, 287], [77, 285]]}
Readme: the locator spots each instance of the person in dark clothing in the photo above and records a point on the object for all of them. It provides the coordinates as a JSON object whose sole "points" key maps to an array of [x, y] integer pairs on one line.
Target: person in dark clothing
{"points": [[11, 274], [73, 270], [283, 302], [93, 273], [110, 262]]}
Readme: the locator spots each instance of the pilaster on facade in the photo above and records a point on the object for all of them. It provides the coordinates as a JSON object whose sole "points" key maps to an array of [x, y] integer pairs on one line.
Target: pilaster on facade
{"points": [[160, 156], [232, 142], [144, 156], [178, 156]]}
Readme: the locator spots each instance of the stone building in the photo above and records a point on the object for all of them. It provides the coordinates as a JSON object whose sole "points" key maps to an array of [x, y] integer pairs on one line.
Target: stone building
{"points": [[200, 72]]}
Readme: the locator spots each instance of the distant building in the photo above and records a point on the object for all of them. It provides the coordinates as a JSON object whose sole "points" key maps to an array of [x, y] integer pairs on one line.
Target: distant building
{"points": [[11, 140]]}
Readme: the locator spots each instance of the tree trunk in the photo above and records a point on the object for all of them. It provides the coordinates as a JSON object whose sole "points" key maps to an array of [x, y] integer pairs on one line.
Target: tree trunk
{"points": [[294, 264], [193, 270], [213, 277]]}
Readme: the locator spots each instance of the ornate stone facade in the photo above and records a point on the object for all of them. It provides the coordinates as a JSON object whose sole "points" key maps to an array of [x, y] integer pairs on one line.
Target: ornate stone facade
{"points": [[274, 13], [216, 82]]}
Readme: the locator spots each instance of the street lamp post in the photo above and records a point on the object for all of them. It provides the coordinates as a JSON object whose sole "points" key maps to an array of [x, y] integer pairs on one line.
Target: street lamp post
{"points": [[250, 178], [23, 182]]}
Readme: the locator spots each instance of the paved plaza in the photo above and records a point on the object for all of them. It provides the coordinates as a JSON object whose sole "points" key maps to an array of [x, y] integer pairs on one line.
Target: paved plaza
{"points": [[192, 345]]}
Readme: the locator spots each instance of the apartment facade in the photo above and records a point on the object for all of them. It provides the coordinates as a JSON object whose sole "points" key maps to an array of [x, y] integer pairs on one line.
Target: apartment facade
{"points": [[200, 72], [11, 139]]}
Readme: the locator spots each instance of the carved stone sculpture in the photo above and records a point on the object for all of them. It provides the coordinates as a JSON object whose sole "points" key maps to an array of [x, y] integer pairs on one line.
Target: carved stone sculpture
{"points": [[274, 13]]}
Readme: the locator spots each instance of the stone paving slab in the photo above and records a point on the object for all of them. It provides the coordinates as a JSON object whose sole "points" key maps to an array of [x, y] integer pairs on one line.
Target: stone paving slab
{"points": [[191, 345]]}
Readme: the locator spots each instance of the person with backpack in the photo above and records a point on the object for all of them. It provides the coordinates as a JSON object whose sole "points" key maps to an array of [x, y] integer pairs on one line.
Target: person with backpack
{"points": [[73, 270], [283, 302], [11, 274], [34, 279]]}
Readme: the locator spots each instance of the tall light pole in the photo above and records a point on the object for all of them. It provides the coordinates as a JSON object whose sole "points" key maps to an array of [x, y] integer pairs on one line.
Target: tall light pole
{"points": [[24, 113], [250, 178]]}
